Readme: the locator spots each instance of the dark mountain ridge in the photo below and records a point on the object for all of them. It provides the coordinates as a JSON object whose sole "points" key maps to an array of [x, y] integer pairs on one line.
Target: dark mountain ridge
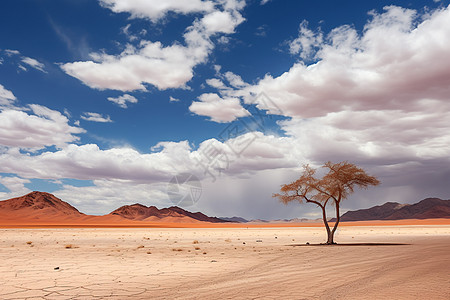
{"points": [[141, 212], [429, 208]]}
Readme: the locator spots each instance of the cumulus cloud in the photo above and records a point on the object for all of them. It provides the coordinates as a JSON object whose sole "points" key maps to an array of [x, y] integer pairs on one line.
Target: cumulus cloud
{"points": [[363, 72], [218, 109], [96, 117], [125, 176], [157, 10], [221, 21], [153, 63], [44, 128], [122, 100], [89, 162], [150, 63], [33, 127]]}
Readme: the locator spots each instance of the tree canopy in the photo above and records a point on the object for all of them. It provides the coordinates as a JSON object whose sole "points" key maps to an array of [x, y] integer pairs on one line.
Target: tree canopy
{"points": [[339, 181]]}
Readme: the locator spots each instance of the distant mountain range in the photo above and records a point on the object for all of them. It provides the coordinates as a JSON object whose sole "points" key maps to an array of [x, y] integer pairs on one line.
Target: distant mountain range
{"points": [[40, 207], [44, 208], [430, 208]]}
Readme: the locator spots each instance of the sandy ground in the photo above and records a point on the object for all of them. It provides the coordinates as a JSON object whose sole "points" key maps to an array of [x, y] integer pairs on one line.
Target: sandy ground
{"points": [[224, 263]]}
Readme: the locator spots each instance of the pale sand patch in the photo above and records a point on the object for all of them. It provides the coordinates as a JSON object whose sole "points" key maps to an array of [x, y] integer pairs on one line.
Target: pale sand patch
{"points": [[224, 263]]}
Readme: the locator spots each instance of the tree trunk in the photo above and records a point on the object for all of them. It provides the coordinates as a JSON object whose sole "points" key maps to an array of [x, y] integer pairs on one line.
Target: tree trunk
{"points": [[325, 221], [338, 218]]}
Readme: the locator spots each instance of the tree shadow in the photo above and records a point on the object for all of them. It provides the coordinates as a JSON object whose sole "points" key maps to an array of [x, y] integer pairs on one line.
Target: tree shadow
{"points": [[349, 244]]}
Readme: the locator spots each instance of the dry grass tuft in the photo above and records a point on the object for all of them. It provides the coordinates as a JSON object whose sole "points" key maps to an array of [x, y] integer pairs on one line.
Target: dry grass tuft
{"points": [[141, 246]]}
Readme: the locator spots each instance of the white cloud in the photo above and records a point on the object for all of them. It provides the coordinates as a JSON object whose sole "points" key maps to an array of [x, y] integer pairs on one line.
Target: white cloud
{"points": [[96, 117], [27, 131], [216, 83], [223, 40], [34, 63], [307, 42], [33, 127], [6, 97], [89, 162], [218, 109], [151, 62], [126, 31], [124, 176], [366, 72], [235, 80], [156, 10], [172, 99], [11, 52], [221, 21], [263, 2], [374, 137], [15, 185], [122, 100]]}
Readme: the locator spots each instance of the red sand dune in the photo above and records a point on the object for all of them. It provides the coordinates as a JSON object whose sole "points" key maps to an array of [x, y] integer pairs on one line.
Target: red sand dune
{"points": [[38, 209]]}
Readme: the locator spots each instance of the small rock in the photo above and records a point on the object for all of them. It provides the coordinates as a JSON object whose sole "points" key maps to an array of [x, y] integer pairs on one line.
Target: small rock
{"points": [[214, 260], [307, 243], [276, 237], [243, 243], [56, 268], [259, 241]]}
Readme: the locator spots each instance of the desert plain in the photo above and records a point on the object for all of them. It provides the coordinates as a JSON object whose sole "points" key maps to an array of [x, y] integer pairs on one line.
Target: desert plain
{"points": [[241, 262]]}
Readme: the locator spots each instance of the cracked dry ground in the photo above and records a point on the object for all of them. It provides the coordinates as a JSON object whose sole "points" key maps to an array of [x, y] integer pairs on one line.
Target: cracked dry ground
{"points": [[224, 264]]}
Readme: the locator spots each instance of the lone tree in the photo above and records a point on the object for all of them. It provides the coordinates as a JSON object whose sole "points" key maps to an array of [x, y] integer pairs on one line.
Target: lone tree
{"points": [[336, 185]]}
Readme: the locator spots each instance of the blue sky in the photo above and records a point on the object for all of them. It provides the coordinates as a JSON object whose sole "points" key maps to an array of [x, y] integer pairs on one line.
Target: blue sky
{"points": [[103, 102]]}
